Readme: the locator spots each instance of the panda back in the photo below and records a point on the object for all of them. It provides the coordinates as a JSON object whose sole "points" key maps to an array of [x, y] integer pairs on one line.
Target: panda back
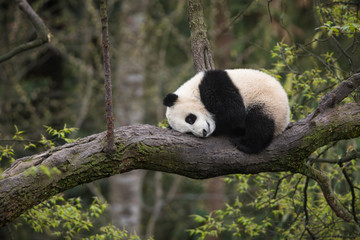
{"points": [[260, 89]]}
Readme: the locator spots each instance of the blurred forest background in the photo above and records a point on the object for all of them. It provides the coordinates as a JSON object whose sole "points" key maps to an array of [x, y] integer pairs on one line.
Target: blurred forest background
{"points": [[302, 42]]}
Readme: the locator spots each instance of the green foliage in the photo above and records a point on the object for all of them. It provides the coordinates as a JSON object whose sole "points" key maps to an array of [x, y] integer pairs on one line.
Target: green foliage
{"points": [[58, 217], [230, 219], [55, 137], [305, 88], [163, 124], [7, 152], [59, 134], [275, 209], [67, 219], [111, 232], [339, 20]]}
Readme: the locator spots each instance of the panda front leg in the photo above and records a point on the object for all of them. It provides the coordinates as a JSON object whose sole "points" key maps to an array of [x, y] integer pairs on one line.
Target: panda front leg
{"points": [[259, 131]]}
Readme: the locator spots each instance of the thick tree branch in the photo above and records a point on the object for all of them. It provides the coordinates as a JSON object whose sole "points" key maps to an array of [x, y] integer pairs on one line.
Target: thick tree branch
{"points": [[43, 33], [148, 147]]}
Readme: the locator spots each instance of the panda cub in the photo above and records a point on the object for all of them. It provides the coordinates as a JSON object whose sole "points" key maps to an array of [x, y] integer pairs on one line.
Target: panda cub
{"points": [[249, 106]]}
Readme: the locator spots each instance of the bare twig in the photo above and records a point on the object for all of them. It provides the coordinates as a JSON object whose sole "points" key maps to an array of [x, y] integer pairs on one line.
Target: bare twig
{"points": [[345, 159], [351, 185], [278, 184], [325, 186], [328, 66], [236, 18], [269, 11], [43, 33], [343, 51], [306, 210], [110, 146]]}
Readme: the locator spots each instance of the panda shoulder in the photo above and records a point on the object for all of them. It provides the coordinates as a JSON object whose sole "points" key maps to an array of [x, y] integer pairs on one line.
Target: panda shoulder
{"points": [[191, 87]]}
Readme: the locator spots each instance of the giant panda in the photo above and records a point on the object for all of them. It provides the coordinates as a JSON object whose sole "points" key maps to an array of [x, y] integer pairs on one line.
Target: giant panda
{"points": [[247, 105]]}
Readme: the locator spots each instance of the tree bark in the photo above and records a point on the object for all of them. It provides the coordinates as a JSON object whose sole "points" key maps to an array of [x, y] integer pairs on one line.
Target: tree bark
{"points": [[147, 147], [200, 45], [110, 147]]}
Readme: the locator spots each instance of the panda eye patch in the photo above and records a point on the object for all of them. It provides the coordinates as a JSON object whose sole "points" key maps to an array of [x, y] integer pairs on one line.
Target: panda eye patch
{"points": [[190, 119]]}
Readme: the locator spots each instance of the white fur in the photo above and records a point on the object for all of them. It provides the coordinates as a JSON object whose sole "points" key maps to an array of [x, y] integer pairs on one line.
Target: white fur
{"points": [[184, 106], [258, 87], [255, 87]]}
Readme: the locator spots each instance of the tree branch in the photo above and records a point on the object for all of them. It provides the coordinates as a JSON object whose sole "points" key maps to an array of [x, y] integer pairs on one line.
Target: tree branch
{"points": [[325, 185], [43, 33], [200, 45], [338, 94], [352, 190], [148, 147], [110, 146]]}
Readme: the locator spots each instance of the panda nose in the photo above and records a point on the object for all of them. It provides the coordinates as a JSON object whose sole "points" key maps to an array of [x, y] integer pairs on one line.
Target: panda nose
{"points": [[204, 133]]}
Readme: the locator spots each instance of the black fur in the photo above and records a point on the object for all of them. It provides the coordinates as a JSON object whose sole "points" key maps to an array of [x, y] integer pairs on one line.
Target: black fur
{"points": [[190, 119], [258, 133], [251, 130], [170, 99]]}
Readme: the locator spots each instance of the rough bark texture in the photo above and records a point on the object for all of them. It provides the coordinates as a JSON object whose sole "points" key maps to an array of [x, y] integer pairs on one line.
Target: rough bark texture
{"points": [[110, 147], [149, 147], [200, 45]]}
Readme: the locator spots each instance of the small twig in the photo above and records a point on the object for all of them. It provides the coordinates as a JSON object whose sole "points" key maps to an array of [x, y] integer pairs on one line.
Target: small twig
{"points": [[343, 51], [269, 11], [278, 184], [305, 201], [318, 58], [42, 32], [325, 186], [306, 210], [351, 185], [236, 18], [110, 146], [339, 161]]}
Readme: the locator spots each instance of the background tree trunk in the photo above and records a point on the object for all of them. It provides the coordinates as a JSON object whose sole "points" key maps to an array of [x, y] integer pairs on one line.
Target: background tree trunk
{"points": [[126, 189]]}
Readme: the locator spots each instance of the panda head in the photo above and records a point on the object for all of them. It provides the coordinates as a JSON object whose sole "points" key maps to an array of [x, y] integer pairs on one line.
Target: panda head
{"points": [[188, 115]]}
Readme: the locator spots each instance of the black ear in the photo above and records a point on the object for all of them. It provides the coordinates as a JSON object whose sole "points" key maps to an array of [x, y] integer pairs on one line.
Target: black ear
{"points": [[170, 99]]}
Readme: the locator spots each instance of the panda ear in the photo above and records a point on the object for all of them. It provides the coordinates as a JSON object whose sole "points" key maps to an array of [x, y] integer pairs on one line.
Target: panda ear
{"points": [[170, 99]]}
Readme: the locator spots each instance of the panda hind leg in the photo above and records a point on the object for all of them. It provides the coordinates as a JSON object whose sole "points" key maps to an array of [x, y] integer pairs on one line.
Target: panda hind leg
{"points": [[259, 131]]}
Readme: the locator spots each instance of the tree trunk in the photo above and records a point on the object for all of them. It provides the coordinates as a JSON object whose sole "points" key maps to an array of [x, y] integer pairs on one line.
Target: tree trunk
{"points": [[126, 189]]}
